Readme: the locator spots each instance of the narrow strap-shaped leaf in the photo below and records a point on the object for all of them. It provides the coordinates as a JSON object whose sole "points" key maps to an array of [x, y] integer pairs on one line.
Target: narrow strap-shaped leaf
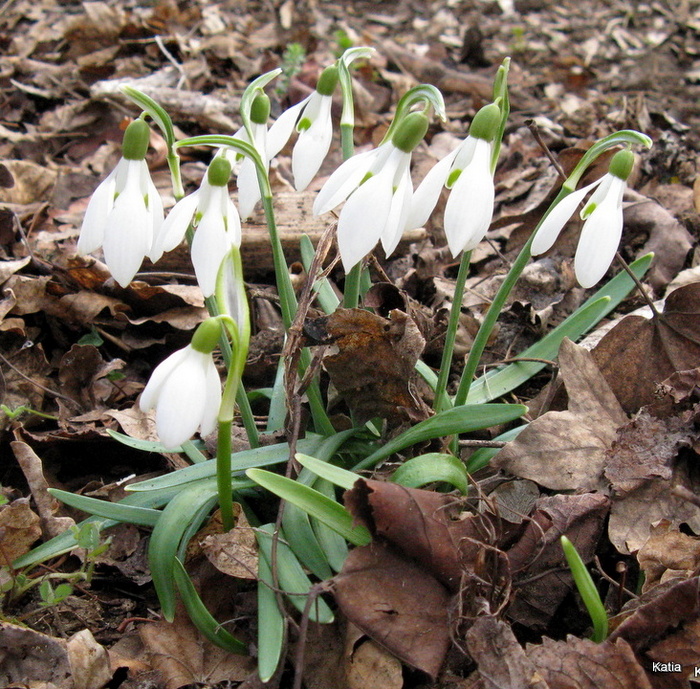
{"points": [[119, 512], [271, 625], [433, 467], [316, 504]]}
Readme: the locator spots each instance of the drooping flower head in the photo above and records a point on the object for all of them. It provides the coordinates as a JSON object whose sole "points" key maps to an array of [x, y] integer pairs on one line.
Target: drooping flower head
{"points": [[467, 172], [377, 186], [217, 223], [602, 228], [185, 389], [125, 212], [312, 117]]}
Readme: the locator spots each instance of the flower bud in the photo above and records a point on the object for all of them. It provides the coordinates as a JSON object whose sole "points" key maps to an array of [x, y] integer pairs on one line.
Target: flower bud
{"points": [[135, 142], [486, 123], [327, 81], [206, 337], [260, 109], [621, 164], [219, 172], [410, 131]]}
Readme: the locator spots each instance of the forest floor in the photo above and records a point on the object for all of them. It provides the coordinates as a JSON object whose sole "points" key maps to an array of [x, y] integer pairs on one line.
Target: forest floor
{"points": [[612, 461]]}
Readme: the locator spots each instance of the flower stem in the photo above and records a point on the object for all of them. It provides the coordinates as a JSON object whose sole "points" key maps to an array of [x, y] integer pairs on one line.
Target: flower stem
{"points": [[351, 291], [441, 399], [347, 144], [223, 474]]}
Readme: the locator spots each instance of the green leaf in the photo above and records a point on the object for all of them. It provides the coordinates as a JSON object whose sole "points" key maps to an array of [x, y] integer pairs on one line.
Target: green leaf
{"points": [[481, 458], [200, 616], [271, 625], [292, 578], [314, 503], [463, 419], [325, 296], [336, 475], [433, 467], [500, 381], [128, 514], [165, 541]]}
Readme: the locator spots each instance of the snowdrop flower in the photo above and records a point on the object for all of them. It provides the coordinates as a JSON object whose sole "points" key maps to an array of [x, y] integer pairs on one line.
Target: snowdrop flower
{"points": [[312, 117], [218, 225], [467, 172], [125, 212], [247, 179], [378, 189], [185, 389], [602, 228]]}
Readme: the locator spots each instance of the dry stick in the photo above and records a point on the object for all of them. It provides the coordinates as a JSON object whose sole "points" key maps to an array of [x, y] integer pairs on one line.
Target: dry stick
{"points": [[535, 131], [639, 285], [685, 494], [291, 355], [39, 385]]}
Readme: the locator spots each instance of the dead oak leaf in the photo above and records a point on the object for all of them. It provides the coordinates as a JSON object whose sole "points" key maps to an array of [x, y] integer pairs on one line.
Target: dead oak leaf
{"points": [[639, 353], [568, 450], [645, 448], [374, 366], [583, 664]]}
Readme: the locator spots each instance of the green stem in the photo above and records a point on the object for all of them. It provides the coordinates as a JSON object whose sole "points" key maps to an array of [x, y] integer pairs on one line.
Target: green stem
{"points": [[347, 144], [241, 398], [442, 401], [223, 474], [176, 178]]}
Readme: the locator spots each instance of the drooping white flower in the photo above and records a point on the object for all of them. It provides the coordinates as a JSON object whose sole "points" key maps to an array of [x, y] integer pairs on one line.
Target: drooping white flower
{"points": [[312, 118], [602, 228], [467, 172], [218, 225], [378, 189], [185, 391], [125, 212]]}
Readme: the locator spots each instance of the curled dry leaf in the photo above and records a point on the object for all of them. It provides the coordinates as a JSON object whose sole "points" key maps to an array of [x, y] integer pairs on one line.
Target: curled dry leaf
{"points": [[374, 367], [582, 664], [567, 450], [397, 604], [235, 552], [663, 626], [19, 529], [665, 344], [667, 553]]}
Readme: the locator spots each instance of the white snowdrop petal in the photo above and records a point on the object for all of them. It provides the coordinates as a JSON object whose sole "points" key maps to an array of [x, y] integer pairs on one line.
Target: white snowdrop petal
{"points": [[343, 181], [248, 188], [209, 246], [182, 400], [128, 235], [283, 127], [400, 208], [312, 146], [428, 192], [553, 224], [358, 229], [99, 207], [174, 227], [469, 209], [233, 223], [600, 237], [212, 400], [150, 394]]}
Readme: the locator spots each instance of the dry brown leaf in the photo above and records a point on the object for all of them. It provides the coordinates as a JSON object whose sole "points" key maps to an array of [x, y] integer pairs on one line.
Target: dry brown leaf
{"points": [[397, 604], [568, 450], [665, 345], [631, 516], [33, 182], [668, 552], [19, 529], [370, 666], [375, 363], [644, 449], [235, 552], [501, 659], [89, 662], [8, 268], [33, 471], [583, 664]]}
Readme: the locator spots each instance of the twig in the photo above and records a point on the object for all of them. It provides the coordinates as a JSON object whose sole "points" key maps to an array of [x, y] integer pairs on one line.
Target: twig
{"points": [[482, 443], [535, 131], [639, 285], [51, 392]]}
